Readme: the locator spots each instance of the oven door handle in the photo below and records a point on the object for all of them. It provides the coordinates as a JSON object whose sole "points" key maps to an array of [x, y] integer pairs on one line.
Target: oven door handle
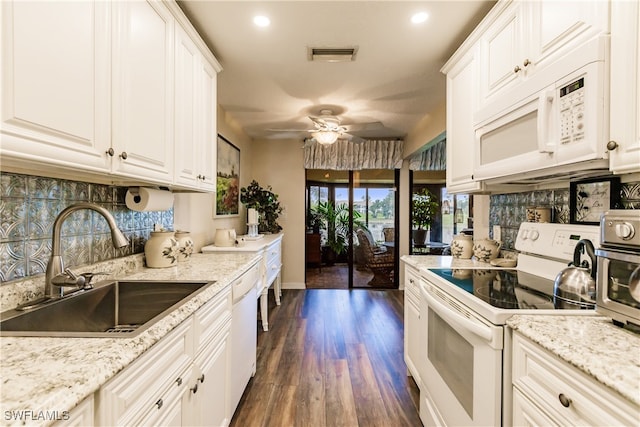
{"points": [[451, 316]]}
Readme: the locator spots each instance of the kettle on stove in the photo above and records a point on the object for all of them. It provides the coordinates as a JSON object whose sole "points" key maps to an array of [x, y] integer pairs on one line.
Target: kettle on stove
{"points": [[575, 286]]}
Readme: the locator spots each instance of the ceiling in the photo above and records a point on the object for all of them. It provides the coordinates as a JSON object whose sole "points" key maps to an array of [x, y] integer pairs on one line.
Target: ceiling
{"points": [[268, 83]]}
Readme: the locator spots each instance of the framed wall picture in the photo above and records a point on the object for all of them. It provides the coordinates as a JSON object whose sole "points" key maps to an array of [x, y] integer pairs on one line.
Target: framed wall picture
{"points": [[590, 198], [227, 179]]}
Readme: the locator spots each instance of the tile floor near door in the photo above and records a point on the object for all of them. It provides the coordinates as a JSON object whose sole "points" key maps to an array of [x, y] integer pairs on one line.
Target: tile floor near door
{"points": [[331, 357]]}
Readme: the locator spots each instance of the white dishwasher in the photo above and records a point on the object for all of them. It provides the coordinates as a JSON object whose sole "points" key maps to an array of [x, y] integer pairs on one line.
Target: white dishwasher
{"points": [[244, 332]]}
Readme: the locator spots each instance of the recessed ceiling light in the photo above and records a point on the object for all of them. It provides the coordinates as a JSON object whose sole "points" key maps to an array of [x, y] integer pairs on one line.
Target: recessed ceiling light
{"points": [[419, 17], [261, 21]]}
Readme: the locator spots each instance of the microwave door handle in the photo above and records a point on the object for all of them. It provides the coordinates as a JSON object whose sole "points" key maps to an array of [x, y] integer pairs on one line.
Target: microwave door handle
{"points": [[545, 108], [454, 318]]}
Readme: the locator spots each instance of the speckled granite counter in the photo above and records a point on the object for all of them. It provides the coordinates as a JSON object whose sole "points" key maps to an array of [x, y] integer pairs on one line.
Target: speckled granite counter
{"points": [[592, 344], [56, 374]]}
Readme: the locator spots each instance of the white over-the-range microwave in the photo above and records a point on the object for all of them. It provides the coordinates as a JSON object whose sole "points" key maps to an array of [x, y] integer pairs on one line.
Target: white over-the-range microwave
{"points": [[554, 124]]}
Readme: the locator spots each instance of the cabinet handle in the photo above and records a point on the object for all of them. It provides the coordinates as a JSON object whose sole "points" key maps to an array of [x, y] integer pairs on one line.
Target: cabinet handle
{"points": [[564, 400], [124, 155], [517, 69], [194, 389], [179, 381], [526, 63], [201, 379], [111, 152], [612, 145], [411, 281], [159, 403]]}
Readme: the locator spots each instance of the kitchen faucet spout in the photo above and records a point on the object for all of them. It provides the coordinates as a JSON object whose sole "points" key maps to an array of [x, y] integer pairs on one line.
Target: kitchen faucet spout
{"points": [[55, 267]]}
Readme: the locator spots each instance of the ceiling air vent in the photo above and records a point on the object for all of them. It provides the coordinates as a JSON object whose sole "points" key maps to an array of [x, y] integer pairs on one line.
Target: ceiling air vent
{"points": [[329, 54]]}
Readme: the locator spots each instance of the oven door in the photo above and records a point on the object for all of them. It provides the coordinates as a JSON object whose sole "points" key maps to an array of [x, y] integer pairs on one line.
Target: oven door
{"points": [[460, 363], [614, 299]]}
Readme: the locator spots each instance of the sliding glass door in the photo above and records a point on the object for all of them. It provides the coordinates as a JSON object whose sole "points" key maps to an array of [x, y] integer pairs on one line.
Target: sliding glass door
{"points": [[351, 222]]}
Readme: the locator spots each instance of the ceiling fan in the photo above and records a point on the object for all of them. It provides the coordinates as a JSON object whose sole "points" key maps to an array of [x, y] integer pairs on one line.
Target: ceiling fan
{"points": [[327, 128]]}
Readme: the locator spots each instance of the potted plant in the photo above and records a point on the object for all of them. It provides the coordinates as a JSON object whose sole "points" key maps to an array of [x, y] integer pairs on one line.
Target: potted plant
{"points": [[424, 209], [265, 201], [335, 220]]}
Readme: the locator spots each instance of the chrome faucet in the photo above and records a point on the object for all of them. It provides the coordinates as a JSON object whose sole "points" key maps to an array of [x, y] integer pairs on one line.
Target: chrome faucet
{"points": [[57, 277]]}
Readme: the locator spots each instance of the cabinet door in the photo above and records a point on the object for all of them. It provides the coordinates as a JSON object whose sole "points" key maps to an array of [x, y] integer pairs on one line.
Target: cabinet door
{"points": [[208, 126], [143, 90], [412, 322], [625, 87], [502, 53], [557, 27], [208, 400], [187, 63], [462, 86], [55, 83], [525, 413]]}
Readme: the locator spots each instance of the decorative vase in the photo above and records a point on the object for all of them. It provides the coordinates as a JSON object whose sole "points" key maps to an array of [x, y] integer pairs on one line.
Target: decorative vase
{"points": [[185, 245], [161, 250], [462, 246], [486, 249]]}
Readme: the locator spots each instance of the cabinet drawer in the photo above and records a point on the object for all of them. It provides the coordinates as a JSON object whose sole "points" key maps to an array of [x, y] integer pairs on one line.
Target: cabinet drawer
{"points": [[209, 318], [133, 393], [569, 396], [273, 256]]}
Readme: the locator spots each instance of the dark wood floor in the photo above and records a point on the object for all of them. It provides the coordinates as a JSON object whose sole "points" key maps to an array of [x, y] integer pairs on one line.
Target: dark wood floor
{"points": [[337, 277], [331, 357]]}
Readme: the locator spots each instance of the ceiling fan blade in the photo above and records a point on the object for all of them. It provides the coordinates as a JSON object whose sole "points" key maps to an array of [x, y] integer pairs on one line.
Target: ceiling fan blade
{"points": [[359, 127], [353, 138]]}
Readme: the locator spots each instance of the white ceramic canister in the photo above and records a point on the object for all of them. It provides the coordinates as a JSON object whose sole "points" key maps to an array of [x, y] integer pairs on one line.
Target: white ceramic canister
{"points": [[185, 245], [161, 250], [462, 246]]}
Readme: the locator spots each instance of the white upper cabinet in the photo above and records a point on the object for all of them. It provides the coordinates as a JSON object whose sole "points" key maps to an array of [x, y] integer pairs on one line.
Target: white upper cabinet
{"points": [[143, 101], [195, 116], [524, 37], [108, 92], [55, 83], [624, 146], [462, 86]]}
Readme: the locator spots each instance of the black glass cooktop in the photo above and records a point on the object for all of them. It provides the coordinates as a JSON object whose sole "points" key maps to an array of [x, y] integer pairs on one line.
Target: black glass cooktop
{"points": [[507, 289]]}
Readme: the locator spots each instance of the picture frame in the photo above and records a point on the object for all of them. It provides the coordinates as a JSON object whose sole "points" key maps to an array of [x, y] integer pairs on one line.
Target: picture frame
{"points": [[227, 201], [590, 198]]}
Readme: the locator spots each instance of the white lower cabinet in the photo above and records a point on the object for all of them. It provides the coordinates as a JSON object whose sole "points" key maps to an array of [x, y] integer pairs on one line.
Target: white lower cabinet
{"points": [[412, 322], [549, 391], [183, 380], [80, 416]]}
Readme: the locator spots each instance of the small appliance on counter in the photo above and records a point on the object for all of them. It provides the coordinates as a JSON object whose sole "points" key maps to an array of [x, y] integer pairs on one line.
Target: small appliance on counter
{"points": [[618, 279], [225, 237]]}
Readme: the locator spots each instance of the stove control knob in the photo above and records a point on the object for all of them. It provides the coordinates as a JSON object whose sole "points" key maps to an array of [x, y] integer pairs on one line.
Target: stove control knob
{"points": [[625, 230], [525, 234], [534, 235]]}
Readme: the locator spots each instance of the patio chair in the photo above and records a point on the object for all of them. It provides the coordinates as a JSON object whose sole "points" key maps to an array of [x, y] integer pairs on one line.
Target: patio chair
{"points": [[380, 261]]}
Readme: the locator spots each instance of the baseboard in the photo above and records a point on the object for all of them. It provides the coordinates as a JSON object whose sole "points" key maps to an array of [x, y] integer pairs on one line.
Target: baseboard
{"points": [[293, 285]]}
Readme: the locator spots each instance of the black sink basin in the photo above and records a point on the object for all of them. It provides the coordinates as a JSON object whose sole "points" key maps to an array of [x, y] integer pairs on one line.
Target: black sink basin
{"points": [[112, 309]]}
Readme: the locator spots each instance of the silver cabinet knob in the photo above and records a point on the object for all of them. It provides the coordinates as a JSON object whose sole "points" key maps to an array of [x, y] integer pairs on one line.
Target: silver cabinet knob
{"points": [[159, 403], [124, 155], [564, 400], [526, 63], [517, 69], [194, 389], [612, 145], [111, 152]]}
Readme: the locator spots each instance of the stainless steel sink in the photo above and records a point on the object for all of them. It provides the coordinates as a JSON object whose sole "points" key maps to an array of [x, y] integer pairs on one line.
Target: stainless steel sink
{"points": [[112, 309]]}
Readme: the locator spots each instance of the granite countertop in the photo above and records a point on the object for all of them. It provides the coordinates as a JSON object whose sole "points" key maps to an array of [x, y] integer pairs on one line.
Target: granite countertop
{"points": [[593, 344], [56, 374], [248, 244]]}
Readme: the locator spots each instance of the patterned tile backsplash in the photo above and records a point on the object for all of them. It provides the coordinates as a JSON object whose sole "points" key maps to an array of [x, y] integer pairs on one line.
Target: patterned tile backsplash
{"points": [[509, 210], [29, 206]]}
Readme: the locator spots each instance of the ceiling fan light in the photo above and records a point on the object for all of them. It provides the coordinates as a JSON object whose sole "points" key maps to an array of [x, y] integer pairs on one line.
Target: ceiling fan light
{"points": [[326, 137]]}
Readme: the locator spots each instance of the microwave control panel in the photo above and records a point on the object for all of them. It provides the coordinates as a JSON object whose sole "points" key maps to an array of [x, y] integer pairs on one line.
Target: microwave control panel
{"points": [[572, 112]]}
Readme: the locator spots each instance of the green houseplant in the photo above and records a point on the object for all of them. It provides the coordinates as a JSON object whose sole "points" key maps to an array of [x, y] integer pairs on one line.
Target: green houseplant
{"points": [[265, 201], [424, 207], [335, 219]]}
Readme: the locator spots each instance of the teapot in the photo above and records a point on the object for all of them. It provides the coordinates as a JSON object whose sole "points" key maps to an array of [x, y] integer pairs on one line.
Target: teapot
{"points": [[225, 237], [575, 286], [486, 249]]}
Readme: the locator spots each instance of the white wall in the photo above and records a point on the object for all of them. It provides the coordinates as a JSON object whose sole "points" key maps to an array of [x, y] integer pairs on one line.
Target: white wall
{"points": [[280, 164]]}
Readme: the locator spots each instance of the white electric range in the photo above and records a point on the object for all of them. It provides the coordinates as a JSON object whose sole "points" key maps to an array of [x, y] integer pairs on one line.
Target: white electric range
{"points": [[465, 354]]}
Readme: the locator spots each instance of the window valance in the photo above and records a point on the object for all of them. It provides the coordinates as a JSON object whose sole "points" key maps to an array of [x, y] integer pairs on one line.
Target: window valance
{"points": [[348, 155], [434, 158]]}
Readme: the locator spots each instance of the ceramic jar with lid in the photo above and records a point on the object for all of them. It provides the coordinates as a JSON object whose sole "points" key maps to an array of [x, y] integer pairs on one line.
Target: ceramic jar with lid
{"points": [[486, 249], [462, 246], [185, 245], [161, 250]]}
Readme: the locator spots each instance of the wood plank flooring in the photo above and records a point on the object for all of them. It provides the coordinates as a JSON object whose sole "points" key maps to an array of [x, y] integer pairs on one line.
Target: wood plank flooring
{"points": [[331, 357]]}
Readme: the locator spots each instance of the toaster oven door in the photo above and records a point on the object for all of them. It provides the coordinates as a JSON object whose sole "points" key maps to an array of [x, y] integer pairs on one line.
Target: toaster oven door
{"points": [[616, 271]]}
